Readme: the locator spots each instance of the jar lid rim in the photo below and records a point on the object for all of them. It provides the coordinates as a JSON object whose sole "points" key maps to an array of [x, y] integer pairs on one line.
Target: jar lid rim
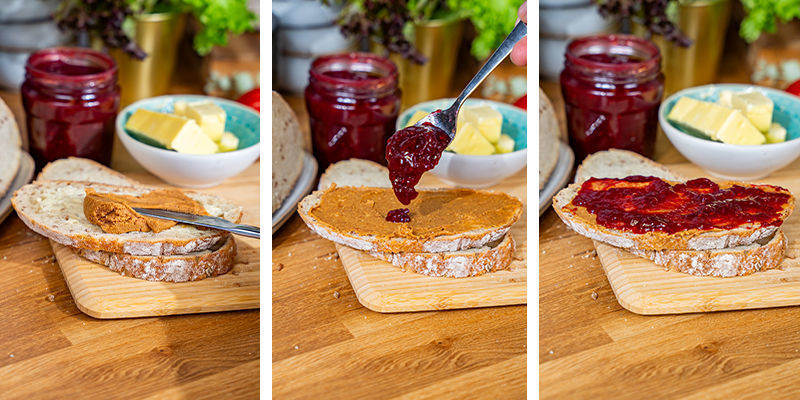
{"points": [[355, 58], [58, 53], [640, 45]]}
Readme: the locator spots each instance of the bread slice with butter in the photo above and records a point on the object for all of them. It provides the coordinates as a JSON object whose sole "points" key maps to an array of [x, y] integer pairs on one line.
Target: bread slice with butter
{"points": [[759, 254], [483, 258], [54, 209]]}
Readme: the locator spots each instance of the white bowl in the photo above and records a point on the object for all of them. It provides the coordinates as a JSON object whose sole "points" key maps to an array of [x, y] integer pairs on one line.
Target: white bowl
{"points": [[737, 162], [192, 170], [478, 171]]}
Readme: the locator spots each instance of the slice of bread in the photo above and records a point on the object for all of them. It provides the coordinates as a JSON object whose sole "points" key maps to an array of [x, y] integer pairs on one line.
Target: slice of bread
{"points": [[616, 163], [54, 209], [10, 148], [549, 134], [456, 264], [193, 266], [584, 223], [430, 244], [489, 257], [355, 172], [287, 150], [736, 261], [83, 170]]}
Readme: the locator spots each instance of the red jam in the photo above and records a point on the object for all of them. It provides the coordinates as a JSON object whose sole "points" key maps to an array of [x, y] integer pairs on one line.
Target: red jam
{"points": [[411, 152], [352, 102], [399, 215], [641, 204], [71, 99], [612, 87]]}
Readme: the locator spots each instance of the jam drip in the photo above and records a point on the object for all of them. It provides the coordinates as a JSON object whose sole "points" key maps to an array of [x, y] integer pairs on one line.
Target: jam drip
{"points": [[642, 204], [398, 215], [411, 152]]}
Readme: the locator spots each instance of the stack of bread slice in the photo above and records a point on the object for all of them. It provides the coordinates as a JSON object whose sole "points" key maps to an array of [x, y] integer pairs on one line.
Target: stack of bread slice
{"points": [[455, 254], [739, 251], [53, 207]]}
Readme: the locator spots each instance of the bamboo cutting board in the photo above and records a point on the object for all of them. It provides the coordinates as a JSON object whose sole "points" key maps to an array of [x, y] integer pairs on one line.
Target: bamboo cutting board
{"points": [[643, 287], [382, 287], [102, 293]]}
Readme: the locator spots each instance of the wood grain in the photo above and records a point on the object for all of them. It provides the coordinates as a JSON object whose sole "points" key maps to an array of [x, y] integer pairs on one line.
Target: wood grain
{"points": [[49, 349], [382, 287], [590, 347]]}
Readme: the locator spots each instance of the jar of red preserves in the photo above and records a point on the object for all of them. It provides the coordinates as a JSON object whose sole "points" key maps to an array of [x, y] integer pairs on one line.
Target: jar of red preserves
{"points": [[71, 99], [612, 87], [353, 102]]}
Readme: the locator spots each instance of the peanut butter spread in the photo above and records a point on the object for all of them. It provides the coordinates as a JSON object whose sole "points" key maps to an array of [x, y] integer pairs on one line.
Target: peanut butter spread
{"points": [[434, 213], [113, 213]]}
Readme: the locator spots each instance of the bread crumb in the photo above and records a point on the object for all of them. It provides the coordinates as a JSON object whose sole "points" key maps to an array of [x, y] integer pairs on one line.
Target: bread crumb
{"points": [[280, 266], [289, 254], [594, 295], [235, 272], [296, 347], [550, 352], [336, 295], [51, 298], [11, 355]]}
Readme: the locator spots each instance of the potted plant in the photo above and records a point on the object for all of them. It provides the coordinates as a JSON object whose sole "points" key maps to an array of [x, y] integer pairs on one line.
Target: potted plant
{"points": [[689, 33], [143, 35], [773, 30], [423, 36]]}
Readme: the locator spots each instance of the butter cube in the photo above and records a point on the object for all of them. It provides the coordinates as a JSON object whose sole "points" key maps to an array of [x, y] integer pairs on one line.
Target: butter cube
{"points": [[725, 98], [209, 116], [756, 107], [776, 133], [228, 142], [179, 108], [416, 117], [715, 121], [488, 120], [173, 132], [505, 144], [468, 140]]}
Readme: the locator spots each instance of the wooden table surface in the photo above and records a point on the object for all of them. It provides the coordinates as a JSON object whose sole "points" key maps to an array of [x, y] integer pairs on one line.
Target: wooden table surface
{"points": [[591, 347], [329, 346], [49, 349]]}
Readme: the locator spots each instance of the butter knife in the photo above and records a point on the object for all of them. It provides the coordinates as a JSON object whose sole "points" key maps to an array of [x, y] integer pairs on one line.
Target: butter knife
{"points": [[202, 220]]}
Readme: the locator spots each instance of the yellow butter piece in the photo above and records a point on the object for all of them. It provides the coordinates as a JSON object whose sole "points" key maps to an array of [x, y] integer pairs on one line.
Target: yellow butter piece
{"points": [[209, 116], [776, 133], [179, 108], [756, 106], [715, 121], [228, 142], [173, 132], [725, 97], [468, 140], [416, 117], [505, 144], [488, 120]]}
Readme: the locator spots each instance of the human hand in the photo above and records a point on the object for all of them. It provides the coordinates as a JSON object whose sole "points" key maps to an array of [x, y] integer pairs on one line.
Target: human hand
{"points": [[519, 53]]}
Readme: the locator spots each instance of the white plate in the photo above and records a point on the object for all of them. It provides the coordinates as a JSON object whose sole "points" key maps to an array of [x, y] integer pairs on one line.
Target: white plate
{"points": [[559, 177], [301, 188], [24, 175]]}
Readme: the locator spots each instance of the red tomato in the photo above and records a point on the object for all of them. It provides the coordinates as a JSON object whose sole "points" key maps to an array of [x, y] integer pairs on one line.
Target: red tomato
{"points": [[794, 88], [522, 102], [252, 99]]}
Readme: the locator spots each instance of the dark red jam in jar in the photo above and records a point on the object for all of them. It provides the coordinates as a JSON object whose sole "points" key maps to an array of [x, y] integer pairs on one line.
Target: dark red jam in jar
{"points": [[411, 152], [353, 102], [641, 204], [612, 87], [71, 99]]}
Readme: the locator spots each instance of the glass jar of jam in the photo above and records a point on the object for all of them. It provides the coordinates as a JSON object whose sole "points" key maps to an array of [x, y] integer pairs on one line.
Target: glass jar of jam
{"points": [[71, 97], [612, 87], [353, 102]]}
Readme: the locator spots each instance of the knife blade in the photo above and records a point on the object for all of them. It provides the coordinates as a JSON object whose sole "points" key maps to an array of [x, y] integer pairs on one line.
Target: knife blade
{"points": [[202, 220]]}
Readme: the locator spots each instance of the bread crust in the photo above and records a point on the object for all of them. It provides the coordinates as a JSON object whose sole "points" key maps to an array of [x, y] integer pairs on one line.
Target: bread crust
{"points": [[461, 264], [737, 261], [585, 224], [149, 244], [176, 268], [64, 169], [434, 244]]}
